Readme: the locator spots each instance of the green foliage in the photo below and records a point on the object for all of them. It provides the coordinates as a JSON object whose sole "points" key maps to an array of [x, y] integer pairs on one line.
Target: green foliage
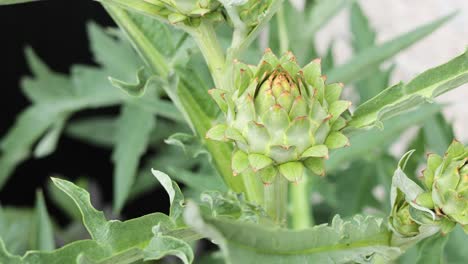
{"points": [[124, 242], [359, 240], [133, 131], [9, 2], [426, 86], [159, 69]]}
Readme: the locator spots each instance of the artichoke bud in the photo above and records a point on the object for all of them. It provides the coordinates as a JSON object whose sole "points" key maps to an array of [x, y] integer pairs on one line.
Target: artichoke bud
{"points": [[250, 12], [283, 118], [188, 12], [401, 220], [450, 184]]}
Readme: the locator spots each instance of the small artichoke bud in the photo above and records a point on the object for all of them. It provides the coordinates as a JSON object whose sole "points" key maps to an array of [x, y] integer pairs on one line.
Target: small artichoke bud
{"points": [[450, 184], [401, 220], [283, 118], [188, 12], [252, 12]]}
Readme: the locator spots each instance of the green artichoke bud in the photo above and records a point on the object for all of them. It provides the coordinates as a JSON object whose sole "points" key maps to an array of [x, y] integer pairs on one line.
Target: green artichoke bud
{"points": [[253, 11], [281, 118], [250, 12], [447, 180], [188, 12], [401, 220]]}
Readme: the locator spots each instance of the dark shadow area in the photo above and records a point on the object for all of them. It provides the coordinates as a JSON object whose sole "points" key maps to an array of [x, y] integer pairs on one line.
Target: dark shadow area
{"points": [[56, 30]]}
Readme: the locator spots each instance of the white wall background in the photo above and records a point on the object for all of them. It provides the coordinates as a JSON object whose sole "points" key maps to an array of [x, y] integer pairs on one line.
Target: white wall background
{"points": [[393, 17]]}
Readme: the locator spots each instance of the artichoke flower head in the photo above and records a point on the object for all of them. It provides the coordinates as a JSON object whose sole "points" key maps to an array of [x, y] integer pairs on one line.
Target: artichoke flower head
{"points": [[281, 118], [446, 179]]}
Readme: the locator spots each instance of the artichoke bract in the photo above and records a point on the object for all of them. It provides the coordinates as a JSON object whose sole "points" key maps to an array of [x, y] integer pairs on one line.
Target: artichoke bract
{"points": [[281, 118], [446, 180]]}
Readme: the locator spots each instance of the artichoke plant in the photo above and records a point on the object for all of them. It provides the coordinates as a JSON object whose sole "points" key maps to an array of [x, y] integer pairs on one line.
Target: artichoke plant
{"points": [[446, 180], [281, 118]]}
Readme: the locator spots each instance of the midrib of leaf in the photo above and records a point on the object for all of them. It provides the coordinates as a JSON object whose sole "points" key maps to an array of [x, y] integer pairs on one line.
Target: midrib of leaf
{"points": [[354, 245]]}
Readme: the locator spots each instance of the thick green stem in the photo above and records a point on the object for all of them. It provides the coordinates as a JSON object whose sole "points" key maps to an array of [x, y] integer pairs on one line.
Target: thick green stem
{"points": [[276, 200], [252, 187], [207, 41], [301, 213]]}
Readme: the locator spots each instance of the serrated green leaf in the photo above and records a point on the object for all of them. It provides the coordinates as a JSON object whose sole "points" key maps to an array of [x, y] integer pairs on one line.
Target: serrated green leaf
{"points": [[11, 2], [133, 131], [190, 144], [63, 201], [201, 181], [133, 89], [46, 85], [356, 240], [402, 97], [44, 232], [162, 246], [99, 130], [49, 141], [89, 87], [111, 52], [16, 145], [372, 57], [112, 236], [176, 198], [16, 227], [363, 38], [321, 11], [173, 158], [363, 34]]}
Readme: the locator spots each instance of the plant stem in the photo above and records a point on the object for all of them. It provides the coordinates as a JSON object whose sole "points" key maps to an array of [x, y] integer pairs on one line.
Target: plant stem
{"points": [[220, 153], [282, 31], [207, 41], [276, 200], [252, 187], [301, 214]]}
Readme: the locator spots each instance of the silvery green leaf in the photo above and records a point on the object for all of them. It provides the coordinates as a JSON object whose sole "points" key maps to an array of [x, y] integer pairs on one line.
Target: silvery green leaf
{"points": [[134, 127], [176, 198], [161, 246], [341, 242], [11, 2], [403, 97], [44, 232]]}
